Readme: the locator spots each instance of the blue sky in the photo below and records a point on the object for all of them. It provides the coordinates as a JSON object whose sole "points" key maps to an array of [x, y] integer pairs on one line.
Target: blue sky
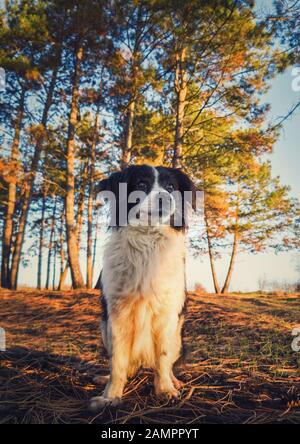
{"points": [[286, 156]]}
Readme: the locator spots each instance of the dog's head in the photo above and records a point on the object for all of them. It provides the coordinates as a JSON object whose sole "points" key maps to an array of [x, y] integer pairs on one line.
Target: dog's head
{"points": [[145, 195]]}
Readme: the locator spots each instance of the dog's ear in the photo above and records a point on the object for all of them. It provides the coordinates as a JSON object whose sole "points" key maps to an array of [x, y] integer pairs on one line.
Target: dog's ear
{"points": [[101, 186], [186, 184], [111, 183]]}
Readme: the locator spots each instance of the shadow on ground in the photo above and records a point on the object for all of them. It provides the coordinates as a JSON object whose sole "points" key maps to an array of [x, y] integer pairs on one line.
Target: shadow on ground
{"points": [[239, 366]]}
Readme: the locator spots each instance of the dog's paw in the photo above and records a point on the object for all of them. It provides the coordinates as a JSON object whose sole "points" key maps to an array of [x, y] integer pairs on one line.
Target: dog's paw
{"points": [[177, 383], [99, 402], [171, 393], [167, 392], [100, 379]]}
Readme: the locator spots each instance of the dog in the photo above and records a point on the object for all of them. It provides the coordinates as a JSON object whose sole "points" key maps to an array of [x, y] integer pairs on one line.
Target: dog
{"points": [[143, 276]]}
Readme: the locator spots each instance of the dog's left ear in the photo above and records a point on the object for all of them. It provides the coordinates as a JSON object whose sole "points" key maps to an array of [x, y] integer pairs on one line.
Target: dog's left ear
{"points": [[186, 184], [111, 183]]}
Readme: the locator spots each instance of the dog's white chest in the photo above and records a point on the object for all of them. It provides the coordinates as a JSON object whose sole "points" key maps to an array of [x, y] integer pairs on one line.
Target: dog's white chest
{"points": [[144, 262]]}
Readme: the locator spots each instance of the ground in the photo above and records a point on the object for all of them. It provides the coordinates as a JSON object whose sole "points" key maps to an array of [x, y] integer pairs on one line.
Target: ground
{"points": [[239, 365]]}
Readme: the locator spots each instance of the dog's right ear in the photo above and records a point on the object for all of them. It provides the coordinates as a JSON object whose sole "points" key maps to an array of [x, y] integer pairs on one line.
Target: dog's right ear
{"points": [[101, 186]]}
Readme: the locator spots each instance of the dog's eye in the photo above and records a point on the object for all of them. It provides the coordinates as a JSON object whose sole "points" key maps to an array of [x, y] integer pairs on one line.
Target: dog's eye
{"points": [[170, 188], [142, 186]]}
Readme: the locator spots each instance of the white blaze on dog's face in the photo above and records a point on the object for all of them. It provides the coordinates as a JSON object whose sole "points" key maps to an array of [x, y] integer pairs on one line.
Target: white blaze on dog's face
{"points": [[158, 205], [150, 196]]}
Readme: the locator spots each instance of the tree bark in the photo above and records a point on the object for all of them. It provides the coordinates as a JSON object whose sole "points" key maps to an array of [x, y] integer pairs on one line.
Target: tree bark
{"points": [[181, 92], [98, 285], [41, 243], [95, 245], [54, 265], [127, 149], [232, 263], [95, 242], [62, 255], [29, 189], [63, 277], [50, 250], [71, 229], [89, 254], [234, 246], [81, 205], [11, 199], [210, 252]]}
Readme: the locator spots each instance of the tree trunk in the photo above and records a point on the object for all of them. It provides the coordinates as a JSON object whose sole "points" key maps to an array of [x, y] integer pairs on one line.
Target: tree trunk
{"points": [[212, 266], [181, 92], [51, 243], [81, 204], [95, 244], [127, 149], [210, 252], [29, 189], [232, 263], [89, 254], [98, 285], [63, 277], [235, 244], [71, 229], [89, 257], [54, 265], [41, 243], [62, 255], [11, 199]]}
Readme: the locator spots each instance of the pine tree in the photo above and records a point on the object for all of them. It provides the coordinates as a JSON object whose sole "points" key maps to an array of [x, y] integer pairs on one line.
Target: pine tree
{"points": [[87, 31], [261, 211], [22, 45], [135, 37], [217, 58]]}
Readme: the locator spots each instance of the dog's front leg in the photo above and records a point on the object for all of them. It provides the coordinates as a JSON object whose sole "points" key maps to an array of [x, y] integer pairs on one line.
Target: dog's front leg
{"points": [[165, 342], [118, 347]]}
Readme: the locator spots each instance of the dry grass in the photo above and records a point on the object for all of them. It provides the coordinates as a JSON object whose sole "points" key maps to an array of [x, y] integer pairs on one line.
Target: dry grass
{"points": [[239, 367]]}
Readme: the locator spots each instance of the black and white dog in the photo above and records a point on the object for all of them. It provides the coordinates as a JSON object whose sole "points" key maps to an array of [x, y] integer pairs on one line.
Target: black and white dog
{"points": [[143, 278]]}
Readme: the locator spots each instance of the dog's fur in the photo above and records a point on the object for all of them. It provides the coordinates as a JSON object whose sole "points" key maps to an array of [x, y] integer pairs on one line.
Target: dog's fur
{"points": [[143, 284]]}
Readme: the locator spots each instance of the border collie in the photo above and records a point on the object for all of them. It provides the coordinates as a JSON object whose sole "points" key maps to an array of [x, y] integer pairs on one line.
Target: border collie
{"points": [[143, 277]]}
